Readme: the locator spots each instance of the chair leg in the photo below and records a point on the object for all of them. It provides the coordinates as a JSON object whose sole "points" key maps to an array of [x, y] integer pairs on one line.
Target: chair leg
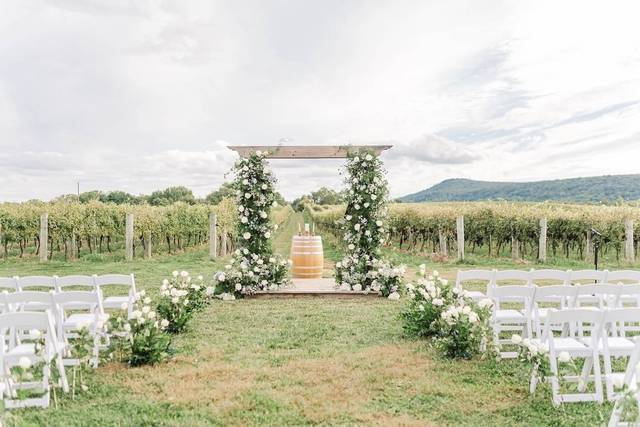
{"points": [[597, 378], [63, 373], [583, 380]]}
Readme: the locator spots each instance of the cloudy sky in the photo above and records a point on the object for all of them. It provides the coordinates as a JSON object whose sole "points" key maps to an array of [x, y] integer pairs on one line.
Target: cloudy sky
{"points": [[141, 95]]}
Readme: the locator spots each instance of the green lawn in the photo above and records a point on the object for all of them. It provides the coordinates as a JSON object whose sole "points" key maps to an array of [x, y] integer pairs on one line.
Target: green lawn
{"points": [[298, 361]]}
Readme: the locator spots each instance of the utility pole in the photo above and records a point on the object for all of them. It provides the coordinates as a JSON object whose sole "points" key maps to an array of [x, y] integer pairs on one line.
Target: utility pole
{"points": [[78, 190]]}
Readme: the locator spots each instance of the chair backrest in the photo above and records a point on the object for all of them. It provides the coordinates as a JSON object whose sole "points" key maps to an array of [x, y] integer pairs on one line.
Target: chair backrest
{"points": [[624, 276], [622, 315], [483, 276], [512, 277], [36, 282], [76, 300], [512, 294], [28, 301], [605, 295], [116, 280], [555, 294], [556, 277], [578, 319], [8, 283], [75, 282], [589, 276]]}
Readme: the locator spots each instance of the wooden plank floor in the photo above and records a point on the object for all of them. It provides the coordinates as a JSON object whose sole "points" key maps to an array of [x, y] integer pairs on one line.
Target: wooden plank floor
{"points": [[313, 287]]}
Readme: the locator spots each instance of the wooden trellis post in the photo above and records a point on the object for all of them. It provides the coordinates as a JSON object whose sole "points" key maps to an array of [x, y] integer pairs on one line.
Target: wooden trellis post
{"points": [[629, 252], [587, 249], [147, 245], [443, 243], [515, 250], [542, 244], [460, 236], [128, 237], [73, 246], [223, 243], [213, 235], [44, 237]]}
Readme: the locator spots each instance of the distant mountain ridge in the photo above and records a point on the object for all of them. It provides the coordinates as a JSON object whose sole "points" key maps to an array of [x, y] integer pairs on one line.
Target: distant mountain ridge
{"points": [[608, 188]]}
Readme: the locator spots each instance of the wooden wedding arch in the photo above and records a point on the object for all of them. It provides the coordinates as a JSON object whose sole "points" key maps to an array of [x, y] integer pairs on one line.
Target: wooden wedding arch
{"points": [[308, 286]]}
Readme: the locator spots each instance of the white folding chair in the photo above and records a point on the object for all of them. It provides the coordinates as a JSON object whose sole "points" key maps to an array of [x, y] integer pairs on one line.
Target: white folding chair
{"points": [[13, 350], [483, 276], [603, 296], [571, 319], [76, 310], [630, 380], [516, 318], [545, 298], [612, 345], [118, 281]]}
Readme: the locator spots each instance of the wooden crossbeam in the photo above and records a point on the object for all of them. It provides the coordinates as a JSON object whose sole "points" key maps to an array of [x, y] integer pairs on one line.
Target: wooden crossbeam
{"points": [[306, 151]]}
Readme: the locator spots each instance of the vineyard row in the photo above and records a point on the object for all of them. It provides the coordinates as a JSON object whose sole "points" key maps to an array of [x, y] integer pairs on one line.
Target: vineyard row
{"points": [[495, 226]]}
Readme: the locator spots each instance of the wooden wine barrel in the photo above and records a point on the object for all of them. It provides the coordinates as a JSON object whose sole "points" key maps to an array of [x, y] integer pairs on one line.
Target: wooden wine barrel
{"points": [[307, 257]]}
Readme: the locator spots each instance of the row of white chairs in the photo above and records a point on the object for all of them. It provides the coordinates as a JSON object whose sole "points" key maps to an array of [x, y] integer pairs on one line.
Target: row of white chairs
{"points": [[601, 338], [57, 307], [630, 381], [532, 277], [124, 283]]}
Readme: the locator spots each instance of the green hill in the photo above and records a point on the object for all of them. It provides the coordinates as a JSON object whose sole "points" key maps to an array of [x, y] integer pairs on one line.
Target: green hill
{"points": [[591, 189]]}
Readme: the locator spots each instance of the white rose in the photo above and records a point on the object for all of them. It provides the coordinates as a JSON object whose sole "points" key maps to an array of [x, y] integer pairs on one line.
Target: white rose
{"points": [[264, 186], [152, 315], [356, 227], [351, 246], [379, 224], [146, 309], [357, 287], [221, 277], [244, 219], [564, 357], [394, 296], [127, 327], [516, 339], [369, 157], [246, 235], [124, 306], [473, 317], [24, 362], [238, 286], [165, 282], [175, 273], [267, 234], [164, 323], [437, 302]]}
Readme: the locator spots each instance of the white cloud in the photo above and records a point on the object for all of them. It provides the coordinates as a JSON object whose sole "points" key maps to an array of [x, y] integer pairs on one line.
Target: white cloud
{"points": [[138, 95]]}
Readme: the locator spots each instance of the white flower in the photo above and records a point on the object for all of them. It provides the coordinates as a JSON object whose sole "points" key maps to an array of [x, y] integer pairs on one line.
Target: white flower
{"points": [[164, 323], [127, 327], [373, 197], [485, 302], [184, 273], [200, 277], [222, 277], [35, 334], [264, 186], [356, 159], [244, 219], [338, 264], [437, 302], [379, 224], [142, 293], [147, 300], [466, 309], [351, 246], [267, 234], [394, 296], [356, 227], [247, 195], [258, 153], [564, 357], [263, 214], [152, 315], [238, 286], [368, 157], [146, 309], [473, 317], [516, 339], [175, 273], [165, 282], [24, 362], [210, 290], [357, 287], [124, 306], [246, 235]]}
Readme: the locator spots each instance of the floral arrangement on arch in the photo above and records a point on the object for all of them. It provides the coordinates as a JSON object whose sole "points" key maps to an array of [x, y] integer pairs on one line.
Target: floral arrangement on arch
{"points": [[362, 269], [254, 266], [458, 326]]}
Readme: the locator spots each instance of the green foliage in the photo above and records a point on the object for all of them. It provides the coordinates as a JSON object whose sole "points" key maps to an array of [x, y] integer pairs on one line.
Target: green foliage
{"points": [[171, 195], [323, 196]]}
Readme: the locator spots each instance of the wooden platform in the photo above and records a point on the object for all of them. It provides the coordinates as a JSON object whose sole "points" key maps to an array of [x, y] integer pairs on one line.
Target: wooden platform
{"points": [[313, 287]]}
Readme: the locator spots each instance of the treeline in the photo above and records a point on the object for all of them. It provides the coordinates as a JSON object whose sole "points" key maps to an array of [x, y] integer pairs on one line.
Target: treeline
{"points": [[165, 197]]}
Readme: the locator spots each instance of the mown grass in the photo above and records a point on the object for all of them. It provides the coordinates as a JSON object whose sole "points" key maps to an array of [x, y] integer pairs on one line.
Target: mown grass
{"points": [[297, 362]]}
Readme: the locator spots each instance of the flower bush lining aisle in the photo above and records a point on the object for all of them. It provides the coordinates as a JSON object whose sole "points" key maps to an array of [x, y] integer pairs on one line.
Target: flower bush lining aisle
{"points": [[458, 326], [362, 269], [254, 266]]}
